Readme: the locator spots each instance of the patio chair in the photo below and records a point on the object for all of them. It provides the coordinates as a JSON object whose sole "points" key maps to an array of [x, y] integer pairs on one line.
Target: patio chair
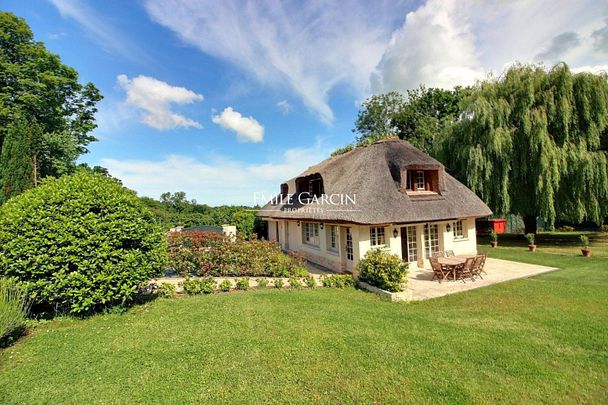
{"points": [[440, 272], [449, 253], [465, 270], [480, 262], [438, 254]]}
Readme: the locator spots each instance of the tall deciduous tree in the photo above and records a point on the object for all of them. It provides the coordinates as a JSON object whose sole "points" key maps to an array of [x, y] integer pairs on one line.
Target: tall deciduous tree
{"points": [[533, 142], [420, 117], [35, 84]]}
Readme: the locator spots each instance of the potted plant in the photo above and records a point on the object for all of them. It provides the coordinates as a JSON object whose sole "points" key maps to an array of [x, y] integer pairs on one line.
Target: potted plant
{"points": [[493, 239], [585, 243], [531, 245]]}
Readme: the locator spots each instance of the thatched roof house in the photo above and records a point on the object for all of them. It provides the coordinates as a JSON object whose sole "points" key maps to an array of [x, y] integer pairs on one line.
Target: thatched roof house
{"points": [[380, 193]]}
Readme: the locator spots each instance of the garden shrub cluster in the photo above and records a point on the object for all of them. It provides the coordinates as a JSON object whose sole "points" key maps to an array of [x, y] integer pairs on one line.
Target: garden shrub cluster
{"points": [[225, 285], [196, 286], [14, 307], [310, 281], [242, 283], [262, 282], [210, 254], [337, 280], [383, 270], [167, 290], [79, 244], [295, 282]]}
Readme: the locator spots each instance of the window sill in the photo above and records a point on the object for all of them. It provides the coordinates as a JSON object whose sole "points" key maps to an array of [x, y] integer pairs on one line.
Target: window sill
{"points": [[333, 252], [311, 246], [461, 239], [420, 192]]}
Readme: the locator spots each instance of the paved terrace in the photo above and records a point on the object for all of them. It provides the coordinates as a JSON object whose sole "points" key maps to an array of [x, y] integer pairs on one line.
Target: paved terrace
{"points": [[420, 286]]}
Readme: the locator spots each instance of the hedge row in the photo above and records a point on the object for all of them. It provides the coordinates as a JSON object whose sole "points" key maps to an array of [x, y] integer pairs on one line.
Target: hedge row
{"points": [[209, 254]]}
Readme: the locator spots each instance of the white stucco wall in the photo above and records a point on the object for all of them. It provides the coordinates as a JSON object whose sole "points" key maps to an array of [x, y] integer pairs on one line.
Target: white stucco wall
{"points": [[290, 237]]}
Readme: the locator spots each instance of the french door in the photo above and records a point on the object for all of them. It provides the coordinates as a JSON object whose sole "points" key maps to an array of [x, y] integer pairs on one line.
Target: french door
{"points": [[431, 239]]}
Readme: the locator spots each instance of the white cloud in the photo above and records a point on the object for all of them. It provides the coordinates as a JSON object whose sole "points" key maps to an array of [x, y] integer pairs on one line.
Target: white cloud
{"points": [[448, 43], [154, 98], [591, 69], [247, 129], [435, 46], [307, 47], [107, 36], [284, 106], [311, 47], [214, 180]]}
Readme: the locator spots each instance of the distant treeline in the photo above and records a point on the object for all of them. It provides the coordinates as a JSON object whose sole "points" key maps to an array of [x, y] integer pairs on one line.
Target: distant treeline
{"points": [[174, 209]]}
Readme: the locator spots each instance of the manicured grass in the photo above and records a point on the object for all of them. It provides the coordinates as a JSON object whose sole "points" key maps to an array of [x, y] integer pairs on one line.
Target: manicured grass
{"points": [[536, 340], [559, 243]]}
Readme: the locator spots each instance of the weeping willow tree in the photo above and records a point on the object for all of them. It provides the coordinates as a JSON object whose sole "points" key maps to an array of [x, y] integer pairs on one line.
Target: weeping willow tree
{"points": [[534, 143]]}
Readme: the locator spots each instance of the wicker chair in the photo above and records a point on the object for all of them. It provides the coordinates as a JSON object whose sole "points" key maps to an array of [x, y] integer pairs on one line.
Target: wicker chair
{"points": [[440, 272], [438, 254]]}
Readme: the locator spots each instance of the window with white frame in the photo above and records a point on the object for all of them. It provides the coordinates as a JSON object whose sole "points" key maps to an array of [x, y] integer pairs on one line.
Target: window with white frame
{"points": [[349, 244], [376, 236], [420, 180], [310, 233], [332, 238], [458, 230]]}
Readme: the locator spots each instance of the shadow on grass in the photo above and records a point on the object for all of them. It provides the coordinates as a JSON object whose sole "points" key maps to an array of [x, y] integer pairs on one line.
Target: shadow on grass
{"points": [[12, 336]]}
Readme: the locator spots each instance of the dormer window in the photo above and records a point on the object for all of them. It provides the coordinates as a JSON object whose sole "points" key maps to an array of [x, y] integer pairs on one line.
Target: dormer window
{"points": [[316, 187], [310, 186], [422, 181], [284, 189]]}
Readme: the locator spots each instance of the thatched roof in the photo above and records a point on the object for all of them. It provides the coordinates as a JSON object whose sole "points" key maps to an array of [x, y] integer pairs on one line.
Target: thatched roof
{"points": [[373, 174]]}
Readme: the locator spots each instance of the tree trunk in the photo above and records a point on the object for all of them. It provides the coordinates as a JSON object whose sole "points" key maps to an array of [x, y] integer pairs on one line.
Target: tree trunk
{"points": [[530, 224]]}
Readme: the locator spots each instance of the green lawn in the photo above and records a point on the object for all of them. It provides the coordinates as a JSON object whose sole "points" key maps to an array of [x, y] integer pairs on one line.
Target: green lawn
{"points": [[559, 243], [536, 340]]}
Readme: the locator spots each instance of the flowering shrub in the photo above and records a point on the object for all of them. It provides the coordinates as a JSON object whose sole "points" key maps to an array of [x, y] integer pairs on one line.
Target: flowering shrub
{"points": [[210, 254]]}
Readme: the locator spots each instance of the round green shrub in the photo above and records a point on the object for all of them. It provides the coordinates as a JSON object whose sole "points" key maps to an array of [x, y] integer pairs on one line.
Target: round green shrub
{"points": [[80, 243], [382, 270]]}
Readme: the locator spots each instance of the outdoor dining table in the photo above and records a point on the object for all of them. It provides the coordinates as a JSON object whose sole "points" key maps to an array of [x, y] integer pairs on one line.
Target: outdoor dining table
{"points": [[453, 262]]}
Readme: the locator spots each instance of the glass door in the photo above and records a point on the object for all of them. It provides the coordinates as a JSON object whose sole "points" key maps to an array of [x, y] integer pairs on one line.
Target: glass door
{"points": [[431, 239]]}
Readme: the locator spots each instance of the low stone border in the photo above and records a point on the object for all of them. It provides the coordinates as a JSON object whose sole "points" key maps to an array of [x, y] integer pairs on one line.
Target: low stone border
{"points": [[398, 296]]}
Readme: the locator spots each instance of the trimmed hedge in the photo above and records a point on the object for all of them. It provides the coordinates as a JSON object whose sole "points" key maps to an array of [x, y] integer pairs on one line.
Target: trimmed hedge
{"points": [[79, 244], [383, 270]]}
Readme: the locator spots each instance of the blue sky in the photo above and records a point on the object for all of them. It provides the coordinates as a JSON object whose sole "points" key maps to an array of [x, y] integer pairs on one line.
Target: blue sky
{"points": [[222, 99]]}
